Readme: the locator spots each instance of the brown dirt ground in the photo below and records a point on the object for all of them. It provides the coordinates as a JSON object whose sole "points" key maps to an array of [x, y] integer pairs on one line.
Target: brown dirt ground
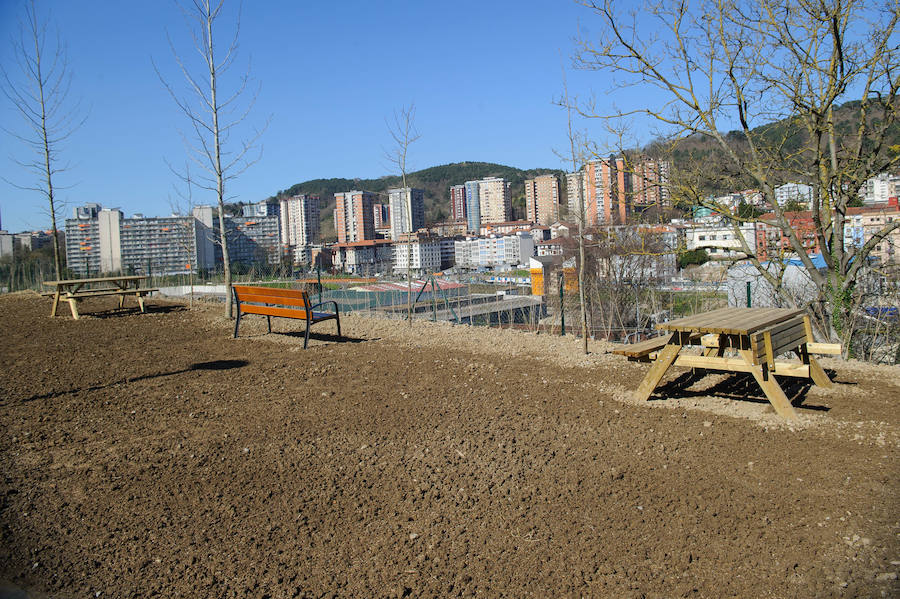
{"points": [[152, 455]]}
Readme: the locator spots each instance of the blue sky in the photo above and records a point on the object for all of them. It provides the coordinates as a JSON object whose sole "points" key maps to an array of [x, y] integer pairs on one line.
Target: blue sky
{"points": [[482, 75]]}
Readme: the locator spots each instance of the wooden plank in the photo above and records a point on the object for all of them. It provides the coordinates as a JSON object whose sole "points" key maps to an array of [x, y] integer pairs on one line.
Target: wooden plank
{"points": [[710, 340], [656, 372], [768, 319], [268, 291], [285, 312], [808, 326], [792, 369], [104, 292], [642, 348], [731, 320], [787, 343], [113, 279], [832, 349], [273, 311], [267, 299], [778, 339]]}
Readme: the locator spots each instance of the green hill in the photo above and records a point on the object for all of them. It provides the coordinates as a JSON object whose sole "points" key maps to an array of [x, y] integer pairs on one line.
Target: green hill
{"points": [[700, 160], [436, 182]]}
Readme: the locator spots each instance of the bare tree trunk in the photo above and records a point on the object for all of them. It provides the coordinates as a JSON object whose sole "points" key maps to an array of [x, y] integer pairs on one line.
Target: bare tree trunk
{"points": [[40, 96], [403, 132], [580, 217], [206, 113]]}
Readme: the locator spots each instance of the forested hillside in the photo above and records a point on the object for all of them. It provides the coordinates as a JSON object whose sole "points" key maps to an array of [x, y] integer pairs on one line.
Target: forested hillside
{"points": [[696, 158]]}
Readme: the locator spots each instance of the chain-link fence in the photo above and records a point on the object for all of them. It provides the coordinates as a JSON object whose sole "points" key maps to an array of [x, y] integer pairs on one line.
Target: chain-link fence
{"points": [[616, 313]]}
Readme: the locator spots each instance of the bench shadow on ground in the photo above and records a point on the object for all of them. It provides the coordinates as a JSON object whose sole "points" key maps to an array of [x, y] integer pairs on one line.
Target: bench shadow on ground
{"points": [[214, 365], [740, 386], [313, 336]]}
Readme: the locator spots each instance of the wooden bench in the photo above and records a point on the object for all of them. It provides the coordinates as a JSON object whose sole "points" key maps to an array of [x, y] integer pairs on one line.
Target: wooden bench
{"points": [[75, 297], [283, 303], [641, 350], [645, 351]]}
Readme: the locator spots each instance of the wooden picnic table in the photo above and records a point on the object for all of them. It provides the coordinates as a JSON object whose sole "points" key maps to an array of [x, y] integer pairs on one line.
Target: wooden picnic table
{"points": [[74, 290], [756, 335]]}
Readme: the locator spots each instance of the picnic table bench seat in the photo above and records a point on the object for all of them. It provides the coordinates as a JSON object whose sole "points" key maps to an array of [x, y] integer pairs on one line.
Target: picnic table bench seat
{"points": [[282, 303], [643, 351]]}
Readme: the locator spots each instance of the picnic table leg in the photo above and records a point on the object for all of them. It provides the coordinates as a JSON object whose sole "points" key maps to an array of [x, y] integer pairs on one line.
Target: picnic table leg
{"points": [[55, 304], [140, 299], [73, 305], [664, 359], [774, 392], [816, 372]]}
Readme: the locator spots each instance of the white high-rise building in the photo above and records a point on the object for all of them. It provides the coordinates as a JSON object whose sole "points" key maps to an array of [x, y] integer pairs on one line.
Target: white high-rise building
{"points": [[879, 189], [423, 253], [407, 210], [575, 193], [494, 199], [794, 193], [299, 223]]}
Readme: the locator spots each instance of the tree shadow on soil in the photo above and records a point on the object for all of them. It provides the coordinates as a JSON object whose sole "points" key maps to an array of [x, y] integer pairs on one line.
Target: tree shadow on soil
{"points": [[741, 386], [214, 365]]}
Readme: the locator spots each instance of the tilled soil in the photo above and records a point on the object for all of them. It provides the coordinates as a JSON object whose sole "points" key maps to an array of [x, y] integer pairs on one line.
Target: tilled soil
{"points": [[152, 455]]}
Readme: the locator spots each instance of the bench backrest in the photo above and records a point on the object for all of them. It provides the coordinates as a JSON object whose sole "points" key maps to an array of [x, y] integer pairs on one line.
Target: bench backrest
{"points": [[778, 339], [272, 295]]}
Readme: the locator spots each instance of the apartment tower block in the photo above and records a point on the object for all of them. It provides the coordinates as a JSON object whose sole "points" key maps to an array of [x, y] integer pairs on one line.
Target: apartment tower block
{"points": [[353, 216], [542, 199]]}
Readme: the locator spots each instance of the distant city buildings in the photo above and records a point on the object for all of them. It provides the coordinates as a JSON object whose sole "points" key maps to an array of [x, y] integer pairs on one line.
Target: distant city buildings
{"points": [[719, 238], [99, 240], [493, 251], [881, 189], [796, 194], [575, 193], [607, 189], [102, 240], [366, 258], [473, 206], [421, 252], [495, 200], [863, 223], [382, 218], [542, 199], [407, 211], [458, 203], [353, 216], [612, 189], [299, 225], [649, 183]]}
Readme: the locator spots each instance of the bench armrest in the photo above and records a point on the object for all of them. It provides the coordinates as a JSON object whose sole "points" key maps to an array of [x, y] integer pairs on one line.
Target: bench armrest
{"points": [[314, 306]]}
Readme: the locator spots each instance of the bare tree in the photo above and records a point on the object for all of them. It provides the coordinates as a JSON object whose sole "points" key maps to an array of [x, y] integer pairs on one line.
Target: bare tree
{"points": [[214, 116], [719, 64], [187, 237], [576, 157], [404, 134], [40, 93]]}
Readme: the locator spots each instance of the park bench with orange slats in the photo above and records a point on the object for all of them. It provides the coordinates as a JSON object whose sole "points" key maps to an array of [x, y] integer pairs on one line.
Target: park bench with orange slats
{"points": [[283, 303]]}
